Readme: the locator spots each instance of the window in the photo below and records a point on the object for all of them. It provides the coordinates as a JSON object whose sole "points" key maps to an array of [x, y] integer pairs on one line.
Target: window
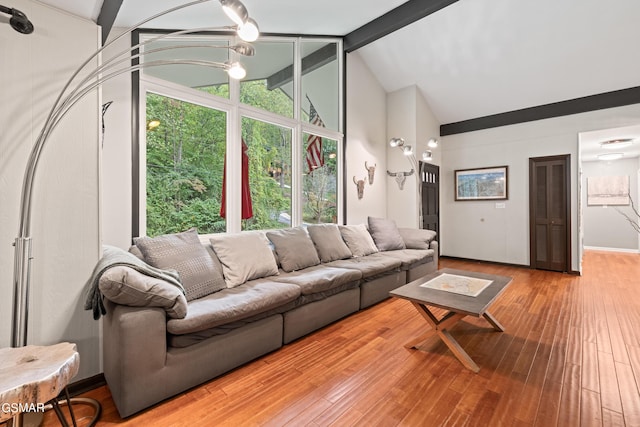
{"points": [[320, 183], [269, 155], [185, 152], [266, 125]]}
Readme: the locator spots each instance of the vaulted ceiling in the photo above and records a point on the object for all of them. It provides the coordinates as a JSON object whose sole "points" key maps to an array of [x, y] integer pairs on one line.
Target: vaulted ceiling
{"points": [[472, 58]]}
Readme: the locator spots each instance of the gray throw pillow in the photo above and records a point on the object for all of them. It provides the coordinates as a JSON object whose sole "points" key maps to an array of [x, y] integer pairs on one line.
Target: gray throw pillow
{"points": [[358, 239], [328, 242], [244, 256], [184, 253], [385, 233], [417, 238], [294, 248], [126, 286]]}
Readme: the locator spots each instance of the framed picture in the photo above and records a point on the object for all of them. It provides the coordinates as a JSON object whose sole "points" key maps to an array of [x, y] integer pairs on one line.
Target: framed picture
{"points": [[482, 183], [608, 190]]}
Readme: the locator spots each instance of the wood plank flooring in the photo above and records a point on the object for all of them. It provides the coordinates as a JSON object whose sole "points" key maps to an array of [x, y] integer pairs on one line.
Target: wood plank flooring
{"points": [[569, 356]]}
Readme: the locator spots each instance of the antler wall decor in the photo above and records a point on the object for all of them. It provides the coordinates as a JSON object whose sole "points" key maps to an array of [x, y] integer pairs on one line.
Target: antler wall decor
{"points": [[371, 170], [360, 186], [401, 177]]}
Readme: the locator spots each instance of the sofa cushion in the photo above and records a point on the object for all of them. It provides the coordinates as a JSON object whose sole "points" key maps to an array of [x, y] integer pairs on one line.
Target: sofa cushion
{"points": [[244, 256], [294, 248], [233, 304], [410, 257], [184, 253], [320, 278], [328, 242], [385, 234], [370, 266], [358, 239], [126, 286], [416, 238]]}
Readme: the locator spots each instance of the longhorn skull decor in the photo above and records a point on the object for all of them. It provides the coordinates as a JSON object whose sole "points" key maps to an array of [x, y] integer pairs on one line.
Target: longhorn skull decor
{"points": [[360, 186], [401, 177], [371, 170]]}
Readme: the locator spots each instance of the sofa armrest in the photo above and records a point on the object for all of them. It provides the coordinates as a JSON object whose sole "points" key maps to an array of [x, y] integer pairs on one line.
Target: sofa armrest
{"points": [[434, 245], [124, 285], [134, 347]]}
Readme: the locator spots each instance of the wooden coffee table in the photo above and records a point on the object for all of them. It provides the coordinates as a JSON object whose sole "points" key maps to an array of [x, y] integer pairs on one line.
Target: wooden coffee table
{"points": [[428, 291]]}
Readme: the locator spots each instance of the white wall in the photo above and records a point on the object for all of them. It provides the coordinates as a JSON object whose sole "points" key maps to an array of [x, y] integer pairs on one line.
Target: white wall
{"points": [[409, 117], [478, 230], [116, 154], [65, 222], [365, 141], [604, 226]]}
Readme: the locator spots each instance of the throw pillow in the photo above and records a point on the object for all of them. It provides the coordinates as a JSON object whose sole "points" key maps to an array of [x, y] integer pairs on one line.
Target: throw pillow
{"points": [[328, 242], [244, 256], [358, 239], [184, 253], [126, 286], [417, 238], [294, 248], [385, 233]]}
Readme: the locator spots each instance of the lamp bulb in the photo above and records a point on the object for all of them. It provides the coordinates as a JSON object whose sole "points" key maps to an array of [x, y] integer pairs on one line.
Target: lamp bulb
{"points": [[248, 31], [235, 10], [236, 70]]}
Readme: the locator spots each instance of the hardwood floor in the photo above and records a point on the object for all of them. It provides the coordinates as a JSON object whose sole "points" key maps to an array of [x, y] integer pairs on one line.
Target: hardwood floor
{"points": [[569, 356]]}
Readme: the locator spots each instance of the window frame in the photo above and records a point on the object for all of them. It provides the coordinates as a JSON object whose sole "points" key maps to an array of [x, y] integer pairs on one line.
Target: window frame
{"points": [[235, 111]]}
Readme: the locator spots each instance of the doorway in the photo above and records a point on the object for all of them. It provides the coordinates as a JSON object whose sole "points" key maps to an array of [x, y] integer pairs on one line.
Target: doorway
{"points": [[430, 178], [549, 218]]}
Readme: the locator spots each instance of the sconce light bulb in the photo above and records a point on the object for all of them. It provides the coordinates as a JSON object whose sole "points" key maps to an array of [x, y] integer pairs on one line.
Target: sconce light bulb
{"points": [[396, 142], [433, 143], [427, 156], [407, 150]]}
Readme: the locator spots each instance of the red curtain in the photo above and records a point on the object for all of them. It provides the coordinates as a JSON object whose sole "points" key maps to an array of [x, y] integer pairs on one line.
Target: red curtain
{"points": [[247, 206]]}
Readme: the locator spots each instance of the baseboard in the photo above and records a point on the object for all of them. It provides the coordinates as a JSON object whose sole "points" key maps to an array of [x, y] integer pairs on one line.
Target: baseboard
{"points": [[480, 261], [86, 385], [597, 248]]}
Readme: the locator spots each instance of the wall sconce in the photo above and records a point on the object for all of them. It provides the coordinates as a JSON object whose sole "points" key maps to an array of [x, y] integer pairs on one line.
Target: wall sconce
{"points": [[427, 156]]}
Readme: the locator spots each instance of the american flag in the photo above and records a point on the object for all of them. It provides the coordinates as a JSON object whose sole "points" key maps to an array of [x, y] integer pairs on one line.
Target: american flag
{"points": [[315, 159]]}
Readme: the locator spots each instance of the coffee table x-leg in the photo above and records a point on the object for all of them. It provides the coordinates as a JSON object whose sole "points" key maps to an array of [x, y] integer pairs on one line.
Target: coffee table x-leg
{"points": [[441, 328]]}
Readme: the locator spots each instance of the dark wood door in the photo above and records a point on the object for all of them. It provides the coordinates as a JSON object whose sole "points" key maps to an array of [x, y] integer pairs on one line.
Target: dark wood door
{"points": [[549, 192], [430, 177]]}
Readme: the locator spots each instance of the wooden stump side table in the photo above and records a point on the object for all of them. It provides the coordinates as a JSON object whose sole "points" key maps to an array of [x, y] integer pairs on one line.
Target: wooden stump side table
{"points": [[33, 376]]}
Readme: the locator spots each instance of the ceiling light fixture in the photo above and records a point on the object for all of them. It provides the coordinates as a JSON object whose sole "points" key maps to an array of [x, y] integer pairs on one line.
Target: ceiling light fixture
{"points": [[616, 143], [610, 156]]}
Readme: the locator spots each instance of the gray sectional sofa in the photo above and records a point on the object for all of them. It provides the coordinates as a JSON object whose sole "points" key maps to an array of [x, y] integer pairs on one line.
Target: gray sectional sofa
{"points": [[242, 296]]}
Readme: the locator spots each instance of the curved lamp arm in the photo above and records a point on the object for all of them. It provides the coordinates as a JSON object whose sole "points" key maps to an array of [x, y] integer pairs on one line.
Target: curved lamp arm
{"points": [[62, 104]]}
